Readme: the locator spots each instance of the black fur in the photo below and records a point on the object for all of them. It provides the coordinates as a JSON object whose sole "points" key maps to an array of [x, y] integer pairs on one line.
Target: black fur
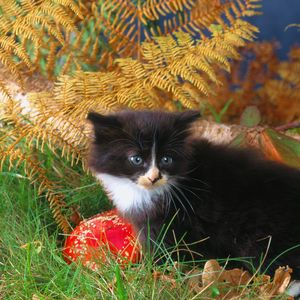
{"points": [[235, 197]]}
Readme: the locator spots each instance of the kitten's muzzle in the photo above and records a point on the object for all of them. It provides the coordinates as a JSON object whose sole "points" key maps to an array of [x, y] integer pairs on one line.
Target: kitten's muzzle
{"points": [[153, 180], [153, 175]]}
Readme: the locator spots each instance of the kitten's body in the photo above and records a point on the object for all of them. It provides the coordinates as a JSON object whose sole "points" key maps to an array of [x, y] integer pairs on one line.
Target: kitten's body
{"points": [[233, 197]]}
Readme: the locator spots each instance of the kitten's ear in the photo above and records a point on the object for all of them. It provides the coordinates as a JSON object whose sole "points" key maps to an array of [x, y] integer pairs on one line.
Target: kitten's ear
{"points": [[187, 117], [98, 120], [104, 126]]}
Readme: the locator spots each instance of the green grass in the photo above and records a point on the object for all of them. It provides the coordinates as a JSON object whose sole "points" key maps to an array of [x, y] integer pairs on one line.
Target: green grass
{"points": [[31, 263], [32, 266]]}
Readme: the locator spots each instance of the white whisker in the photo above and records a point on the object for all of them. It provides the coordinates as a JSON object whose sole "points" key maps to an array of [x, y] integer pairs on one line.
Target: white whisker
{"points": [[184, 196]]}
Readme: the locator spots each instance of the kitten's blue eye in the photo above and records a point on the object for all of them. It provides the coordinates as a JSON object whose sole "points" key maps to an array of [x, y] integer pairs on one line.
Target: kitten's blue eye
{"points": [[166, 160], [136, 160]]}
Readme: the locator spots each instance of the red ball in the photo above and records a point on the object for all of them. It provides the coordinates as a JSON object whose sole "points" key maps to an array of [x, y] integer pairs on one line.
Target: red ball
{"points": [[96, 238]]}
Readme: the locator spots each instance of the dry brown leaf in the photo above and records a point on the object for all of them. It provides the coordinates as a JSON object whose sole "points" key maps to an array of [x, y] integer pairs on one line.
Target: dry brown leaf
{"points": [[232, 284], [279, 284], [236, 277], [213, 272], [167, 278], [282, 278], [194, 282], [268, 147], [228, 282]]}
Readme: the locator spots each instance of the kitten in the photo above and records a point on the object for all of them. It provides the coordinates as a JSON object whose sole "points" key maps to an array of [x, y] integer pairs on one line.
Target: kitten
{"points": [[238, 203]]}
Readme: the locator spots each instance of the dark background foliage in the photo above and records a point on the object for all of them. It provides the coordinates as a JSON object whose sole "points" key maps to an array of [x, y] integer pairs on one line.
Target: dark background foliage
{"points": [[277, 15]]}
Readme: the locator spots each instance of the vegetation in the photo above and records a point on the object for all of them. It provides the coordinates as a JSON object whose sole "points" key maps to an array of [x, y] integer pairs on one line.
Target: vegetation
{"points": [[137, 69], [32, 267]]}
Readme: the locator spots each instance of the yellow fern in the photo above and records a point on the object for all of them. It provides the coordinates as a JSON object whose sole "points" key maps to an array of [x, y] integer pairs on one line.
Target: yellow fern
{"points": [[29, 23], [165, 64]]}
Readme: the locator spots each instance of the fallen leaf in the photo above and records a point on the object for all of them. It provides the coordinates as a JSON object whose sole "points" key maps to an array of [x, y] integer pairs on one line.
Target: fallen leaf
{"points": [[211, 272], [236, 277], [279, 146], [194, 281], [279, 284], [268, 147], [282, 278], [231, 284], [161, 276]]}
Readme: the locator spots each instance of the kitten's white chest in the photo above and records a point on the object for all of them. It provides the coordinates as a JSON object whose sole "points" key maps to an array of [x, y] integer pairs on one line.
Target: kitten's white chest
{"points": [[126, 195]]}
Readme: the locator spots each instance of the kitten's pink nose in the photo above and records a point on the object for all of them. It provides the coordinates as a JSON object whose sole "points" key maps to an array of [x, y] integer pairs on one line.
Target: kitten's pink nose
{"points": [[154, 175], [153, 180]]}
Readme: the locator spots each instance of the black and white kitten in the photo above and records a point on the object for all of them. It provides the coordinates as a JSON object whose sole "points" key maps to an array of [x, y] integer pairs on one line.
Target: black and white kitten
{"points": [[159, 176]]}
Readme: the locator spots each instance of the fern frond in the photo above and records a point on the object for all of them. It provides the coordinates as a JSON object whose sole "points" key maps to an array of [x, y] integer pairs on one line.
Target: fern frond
{"points": [[153, 9], [5, 25], [10, 9], [4, 94], [125, 34], [72, 6], [9, 45], [27, 26], [51, 58], [31, 21], [26, 6], [56, 132], [49, 10], [110, 29], [170, 65], [132, 69], [11, 66]]}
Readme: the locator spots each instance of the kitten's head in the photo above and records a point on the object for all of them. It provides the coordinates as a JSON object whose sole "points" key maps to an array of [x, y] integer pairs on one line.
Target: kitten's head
{"points": [[139, 155]]}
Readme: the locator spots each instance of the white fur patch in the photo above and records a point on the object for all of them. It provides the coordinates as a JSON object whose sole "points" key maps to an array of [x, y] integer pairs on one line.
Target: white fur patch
{"points": [[153, 162], [126, 194], [294, 289]]}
